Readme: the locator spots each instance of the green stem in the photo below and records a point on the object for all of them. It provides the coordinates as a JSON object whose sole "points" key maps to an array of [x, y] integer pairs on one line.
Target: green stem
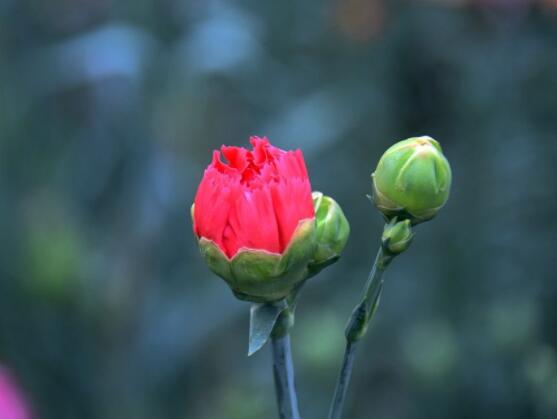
{"points": [[343, 381], [357, 327], [283, 369]]}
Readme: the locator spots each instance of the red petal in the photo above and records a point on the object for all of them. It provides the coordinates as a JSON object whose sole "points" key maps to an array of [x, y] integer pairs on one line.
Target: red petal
{"points": [[219, 165], [255, 201], [253, 221], [236, 156], [292, 202], [213, 202], [260, 146]]}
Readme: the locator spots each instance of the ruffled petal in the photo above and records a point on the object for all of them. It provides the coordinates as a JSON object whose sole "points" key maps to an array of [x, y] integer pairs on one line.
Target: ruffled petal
{"points": [[213, 202], [255, 200], [292, 165], [292, 203], [238, 157], [220, 166], [260, 147], [253, 221]]}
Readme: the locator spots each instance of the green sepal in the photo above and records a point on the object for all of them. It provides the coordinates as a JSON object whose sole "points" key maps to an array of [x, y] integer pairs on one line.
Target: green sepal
{"points": [[260, 276], [215, 258]]}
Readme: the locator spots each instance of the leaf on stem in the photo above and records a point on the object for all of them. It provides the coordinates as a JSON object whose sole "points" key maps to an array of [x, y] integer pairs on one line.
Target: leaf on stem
{"points": [[263, 318]]}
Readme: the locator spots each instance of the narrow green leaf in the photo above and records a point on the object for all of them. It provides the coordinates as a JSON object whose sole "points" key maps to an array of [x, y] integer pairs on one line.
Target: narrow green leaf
{"points": [[262, 321]]}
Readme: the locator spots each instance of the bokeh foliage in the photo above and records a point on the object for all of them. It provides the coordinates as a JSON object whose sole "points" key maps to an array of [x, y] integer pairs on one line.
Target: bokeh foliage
{"points": [[108, 113]]}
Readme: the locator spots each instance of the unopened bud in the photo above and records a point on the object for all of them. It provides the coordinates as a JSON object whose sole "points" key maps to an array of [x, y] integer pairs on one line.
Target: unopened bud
{"points": [[331, 229], [412, 180], [397, 236]]}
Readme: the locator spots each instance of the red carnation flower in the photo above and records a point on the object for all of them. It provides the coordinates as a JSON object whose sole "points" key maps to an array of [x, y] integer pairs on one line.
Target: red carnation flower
{"points": [[255, 220], [255, 201]]}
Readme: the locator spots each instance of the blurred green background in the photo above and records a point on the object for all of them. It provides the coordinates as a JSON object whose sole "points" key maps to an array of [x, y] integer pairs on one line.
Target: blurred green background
{"points": [[109, 111]]}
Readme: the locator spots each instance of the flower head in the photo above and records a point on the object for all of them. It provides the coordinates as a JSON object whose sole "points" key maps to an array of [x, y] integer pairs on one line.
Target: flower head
{"points": [[412, 180], [254, 201], [255, 220], [12, 403]]}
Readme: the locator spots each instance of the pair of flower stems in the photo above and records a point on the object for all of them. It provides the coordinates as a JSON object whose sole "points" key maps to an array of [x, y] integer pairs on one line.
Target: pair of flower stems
{"points": [[410, 185], [236, 216], [356, 328]]}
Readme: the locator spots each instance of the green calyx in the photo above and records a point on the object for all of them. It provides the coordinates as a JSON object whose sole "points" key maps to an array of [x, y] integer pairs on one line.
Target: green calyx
{"points": [[397, 236], [332, 232], [260, 276], [412, 180]]}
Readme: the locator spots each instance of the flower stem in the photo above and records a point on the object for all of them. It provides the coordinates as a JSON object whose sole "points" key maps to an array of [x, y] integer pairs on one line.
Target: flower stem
{"points": [[283, 370], [357, 327], [343, 380]]}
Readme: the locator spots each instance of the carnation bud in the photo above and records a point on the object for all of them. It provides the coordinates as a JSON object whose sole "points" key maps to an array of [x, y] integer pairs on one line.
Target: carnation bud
{"points": [[332, 231], [397, 236], [412, 180], [254, 220]]}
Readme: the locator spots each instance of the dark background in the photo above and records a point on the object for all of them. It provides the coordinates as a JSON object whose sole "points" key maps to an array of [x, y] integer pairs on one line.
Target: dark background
{"points": [[109, 111]]}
